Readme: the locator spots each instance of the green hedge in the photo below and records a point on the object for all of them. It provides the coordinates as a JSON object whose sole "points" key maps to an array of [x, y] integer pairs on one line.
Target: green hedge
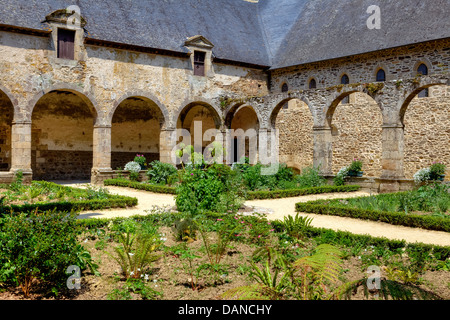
{"points": [[76, 206], [251, 195], [276, 194], [394, 218], [140, 186]]}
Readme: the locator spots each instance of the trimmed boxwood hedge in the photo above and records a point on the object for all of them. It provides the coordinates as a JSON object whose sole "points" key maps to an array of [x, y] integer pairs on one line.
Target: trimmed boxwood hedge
{"points": [[67, 206], [251, 195], [288, 193], [140, 186], [394, 218]]}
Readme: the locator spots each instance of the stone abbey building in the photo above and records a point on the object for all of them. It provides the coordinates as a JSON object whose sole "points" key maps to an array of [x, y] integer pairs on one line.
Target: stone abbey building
{"points": [[86, 85]]}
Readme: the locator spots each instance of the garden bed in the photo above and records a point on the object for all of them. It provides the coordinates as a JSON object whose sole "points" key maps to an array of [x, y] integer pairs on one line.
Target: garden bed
{"points": [[426, 207], [183, 269], [45, 196]]}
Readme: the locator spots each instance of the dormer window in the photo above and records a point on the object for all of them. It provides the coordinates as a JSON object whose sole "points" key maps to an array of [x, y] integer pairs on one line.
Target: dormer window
{"points": [[201, 55], [199, 63], [66, 44]]}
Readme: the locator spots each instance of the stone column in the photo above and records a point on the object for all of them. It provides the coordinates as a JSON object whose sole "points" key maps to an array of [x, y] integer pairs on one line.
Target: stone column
{"points": [[21, 149], [101, 164], [166, 145], [392, 157], [323, 150]]}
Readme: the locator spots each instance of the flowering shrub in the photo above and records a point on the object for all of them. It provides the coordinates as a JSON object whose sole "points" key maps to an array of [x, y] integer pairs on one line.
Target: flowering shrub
{"points": [[422, 175], [139, 158], [339, 178], [433, 172], [134, 168], [356, 165], [437, 169]]}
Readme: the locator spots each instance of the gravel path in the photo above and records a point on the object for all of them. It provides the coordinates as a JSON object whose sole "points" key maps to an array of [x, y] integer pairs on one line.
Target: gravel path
{"points": [[279, 208]]}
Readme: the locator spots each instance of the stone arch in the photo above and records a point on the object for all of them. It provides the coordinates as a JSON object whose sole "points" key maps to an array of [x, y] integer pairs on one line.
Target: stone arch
{"points": [[7, 115], [244, 121], [294, 119], [86, 97], [356, 130], [202, 111], [136, 123], [426, 124], [62, 135], [145, 96]]}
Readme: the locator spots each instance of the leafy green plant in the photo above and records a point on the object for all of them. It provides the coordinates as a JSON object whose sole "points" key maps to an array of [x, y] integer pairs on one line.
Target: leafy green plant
{"points": [[185, 230], [296, 226], [136, 251], [137, 286], [141, 160], [40, 247], [161, 173]]}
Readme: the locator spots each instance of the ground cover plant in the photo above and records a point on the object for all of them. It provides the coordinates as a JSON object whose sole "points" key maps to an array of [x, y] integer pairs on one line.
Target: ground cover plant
{"points": [[231, 256]]}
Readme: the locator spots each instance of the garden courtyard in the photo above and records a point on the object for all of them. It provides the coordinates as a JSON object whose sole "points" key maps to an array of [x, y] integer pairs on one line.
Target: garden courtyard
{"points": [[207, 231]]}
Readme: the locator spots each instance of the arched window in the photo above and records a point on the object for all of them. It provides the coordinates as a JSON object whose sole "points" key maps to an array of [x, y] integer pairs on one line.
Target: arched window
{"points": [[381, 75], [312, 84], [423, 70], [345, 80], [284, 87]]}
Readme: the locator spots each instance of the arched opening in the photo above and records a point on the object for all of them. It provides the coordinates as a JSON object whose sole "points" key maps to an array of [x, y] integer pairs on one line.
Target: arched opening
{"points": [[197, 118], [6, 118], [381, 75], [245, 126], [312, 84], [62, 136], [345, 80], [136, 128], [284, 87], [427, 129], [423, 71], [293, 119], [356, 133]]}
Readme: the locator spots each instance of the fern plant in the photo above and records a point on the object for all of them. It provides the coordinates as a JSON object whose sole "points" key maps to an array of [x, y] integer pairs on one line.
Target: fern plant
{"points": [[135, 252], [296, 226]]}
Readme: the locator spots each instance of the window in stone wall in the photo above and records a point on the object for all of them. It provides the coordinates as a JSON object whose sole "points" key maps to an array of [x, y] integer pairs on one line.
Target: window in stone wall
{"points": [[284, 87], [345, 80], [66, 41], [199, 63], [381, 75], [313, 84], [423, 70]]}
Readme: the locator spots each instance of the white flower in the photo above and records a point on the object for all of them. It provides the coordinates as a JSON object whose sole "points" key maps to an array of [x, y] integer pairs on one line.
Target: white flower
{"points": [[146, 277], [131, 254], [132, 166], [131, 273], [422, 175]]}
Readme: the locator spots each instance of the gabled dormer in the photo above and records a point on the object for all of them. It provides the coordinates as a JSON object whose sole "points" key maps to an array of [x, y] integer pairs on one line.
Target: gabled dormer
{"points": [[201, 55], [67, 40]]}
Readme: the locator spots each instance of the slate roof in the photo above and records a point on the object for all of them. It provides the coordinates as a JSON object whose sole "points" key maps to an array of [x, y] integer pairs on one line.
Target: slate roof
{"points": [[276, 33]]}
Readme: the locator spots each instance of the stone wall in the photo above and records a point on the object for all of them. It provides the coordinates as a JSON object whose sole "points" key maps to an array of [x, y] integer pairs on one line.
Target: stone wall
{"points": [[427, 131], [398, 63], [356, 130], [294, 122]]}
